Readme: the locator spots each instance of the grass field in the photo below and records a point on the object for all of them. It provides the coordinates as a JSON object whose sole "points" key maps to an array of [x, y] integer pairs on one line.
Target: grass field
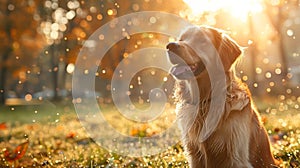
{"points": [[50, 135]]}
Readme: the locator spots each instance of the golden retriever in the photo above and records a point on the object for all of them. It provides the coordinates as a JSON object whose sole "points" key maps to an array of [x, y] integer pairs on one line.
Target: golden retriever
{"points": [[232, 136]]}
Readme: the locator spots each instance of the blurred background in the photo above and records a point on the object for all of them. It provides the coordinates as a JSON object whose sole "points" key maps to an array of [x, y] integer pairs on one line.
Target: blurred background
{"points": [[41, 41]]}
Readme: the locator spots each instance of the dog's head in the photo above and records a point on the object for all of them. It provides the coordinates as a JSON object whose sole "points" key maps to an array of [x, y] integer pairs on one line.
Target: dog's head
{"points": [[199, 53], [196, 46]]}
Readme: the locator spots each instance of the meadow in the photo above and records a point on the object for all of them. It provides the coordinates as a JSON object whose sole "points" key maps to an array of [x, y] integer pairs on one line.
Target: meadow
{"points": [[51, 135]]}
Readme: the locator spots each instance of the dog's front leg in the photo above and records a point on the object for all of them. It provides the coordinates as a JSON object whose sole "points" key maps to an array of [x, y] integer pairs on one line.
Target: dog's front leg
{"points": [[197, 161], [195, 157]]}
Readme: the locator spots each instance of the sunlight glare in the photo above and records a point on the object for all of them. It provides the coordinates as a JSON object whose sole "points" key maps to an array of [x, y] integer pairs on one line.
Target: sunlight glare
{"points": [[239, 9]]}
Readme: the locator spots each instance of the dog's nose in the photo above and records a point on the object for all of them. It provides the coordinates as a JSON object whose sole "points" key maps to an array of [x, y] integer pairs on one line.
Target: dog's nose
{"points": [[173, 46]]}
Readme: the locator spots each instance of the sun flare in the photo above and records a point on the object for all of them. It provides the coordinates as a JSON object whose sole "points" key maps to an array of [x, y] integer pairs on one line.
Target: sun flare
{"points": [[239, 9]]}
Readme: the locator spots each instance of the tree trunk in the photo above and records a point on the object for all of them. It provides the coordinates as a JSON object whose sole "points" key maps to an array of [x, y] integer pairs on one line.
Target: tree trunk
{"points": [[5, 56], [2, 82], [54, 68], [282, 51], [253, 52], [277, 23]]}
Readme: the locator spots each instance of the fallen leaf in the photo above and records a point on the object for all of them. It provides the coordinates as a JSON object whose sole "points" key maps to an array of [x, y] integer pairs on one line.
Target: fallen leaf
{"points": [[71, 135], [3, 126], [17, 154]]}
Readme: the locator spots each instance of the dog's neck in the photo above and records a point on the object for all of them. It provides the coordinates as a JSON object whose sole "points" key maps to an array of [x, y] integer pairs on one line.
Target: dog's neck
{"points": [[199, 90], [186, 92]]}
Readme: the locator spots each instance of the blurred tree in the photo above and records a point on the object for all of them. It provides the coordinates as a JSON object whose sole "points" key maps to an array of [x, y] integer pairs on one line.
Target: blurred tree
{"points": [[20, 42], [53, 25], [6, 48], [93, 14], [66, 24], [278, 12]]}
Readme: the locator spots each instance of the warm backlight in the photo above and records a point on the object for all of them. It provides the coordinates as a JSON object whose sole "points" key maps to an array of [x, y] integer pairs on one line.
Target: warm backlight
{"points": [[239, 9]]}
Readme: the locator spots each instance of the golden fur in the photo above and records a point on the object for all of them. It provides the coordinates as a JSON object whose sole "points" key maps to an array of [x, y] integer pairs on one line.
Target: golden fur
{"points": [[238, 139]]}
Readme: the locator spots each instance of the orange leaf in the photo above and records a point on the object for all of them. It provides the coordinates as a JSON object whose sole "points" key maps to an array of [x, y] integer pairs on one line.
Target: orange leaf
{"points": [[18, 153], [71, 135], [134, 131], [3, 126], [264, 119]]}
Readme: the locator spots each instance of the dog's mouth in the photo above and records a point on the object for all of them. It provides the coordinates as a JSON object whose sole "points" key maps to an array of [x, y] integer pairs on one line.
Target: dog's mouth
{"points": [[186, 71], [183, 70]]}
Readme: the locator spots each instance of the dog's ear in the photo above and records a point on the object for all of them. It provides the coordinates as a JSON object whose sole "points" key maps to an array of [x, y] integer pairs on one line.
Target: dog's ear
{"points": [[227, 48]]}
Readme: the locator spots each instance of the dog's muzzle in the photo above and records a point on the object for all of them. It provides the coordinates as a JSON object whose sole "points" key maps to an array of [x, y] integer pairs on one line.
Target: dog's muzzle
{"points": [[181, 70]]}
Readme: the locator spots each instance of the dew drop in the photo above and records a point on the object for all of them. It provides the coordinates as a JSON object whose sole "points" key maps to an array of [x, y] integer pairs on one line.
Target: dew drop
{"points": [[266, 60], [255, 85], [258, 70], [152, 20], [89, 18], [278, 71], [290, 32], [268, 75], [289, 75], [99, 17], [101, 37], [11, 7], [135, 7], [28, 97], [110, 12], [153, 72]]}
